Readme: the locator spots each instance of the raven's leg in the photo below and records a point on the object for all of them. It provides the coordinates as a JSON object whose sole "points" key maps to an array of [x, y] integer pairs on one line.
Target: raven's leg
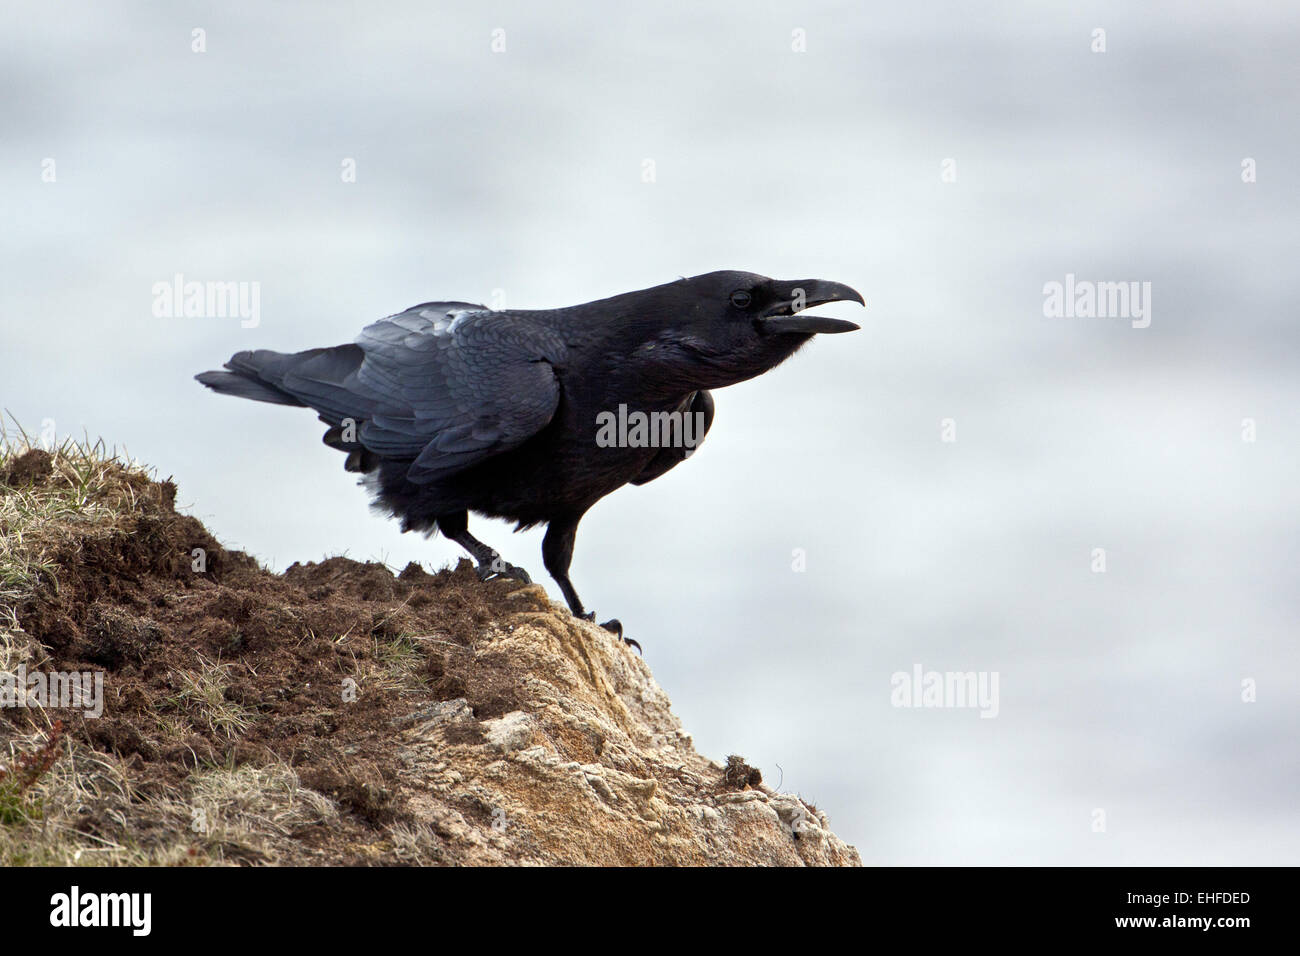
{"points": [[557, 554], [456, 527]]}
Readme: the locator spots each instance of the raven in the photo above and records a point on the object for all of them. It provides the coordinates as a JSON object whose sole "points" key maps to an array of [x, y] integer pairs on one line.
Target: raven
{"points": [[451, 407]]}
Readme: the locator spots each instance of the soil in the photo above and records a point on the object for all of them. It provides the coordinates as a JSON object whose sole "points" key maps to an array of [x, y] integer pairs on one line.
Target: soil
{"points": [[334, 714], [164, 598]]}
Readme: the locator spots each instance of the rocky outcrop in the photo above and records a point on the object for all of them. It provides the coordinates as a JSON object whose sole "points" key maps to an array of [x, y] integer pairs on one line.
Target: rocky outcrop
{"points": [[592, 768], [333, 714]]}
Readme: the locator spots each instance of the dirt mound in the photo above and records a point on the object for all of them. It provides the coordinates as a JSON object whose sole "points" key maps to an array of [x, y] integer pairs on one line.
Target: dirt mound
{"points": [[333, 714]]}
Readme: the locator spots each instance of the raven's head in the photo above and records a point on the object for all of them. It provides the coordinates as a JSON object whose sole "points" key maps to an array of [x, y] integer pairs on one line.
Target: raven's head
{"points": [[721, 328]]}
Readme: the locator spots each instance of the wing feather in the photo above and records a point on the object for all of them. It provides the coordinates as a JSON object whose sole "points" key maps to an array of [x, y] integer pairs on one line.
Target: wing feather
{"points": [[452, 384]]}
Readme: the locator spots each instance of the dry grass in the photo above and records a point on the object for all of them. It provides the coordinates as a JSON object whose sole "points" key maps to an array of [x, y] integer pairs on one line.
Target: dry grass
{"points": [[16, 647], [244, 814], [202, 699], [90, 806], [415, 844], [91, 493], [69, 816], [399, 666], [83, 810], [85, 813]]}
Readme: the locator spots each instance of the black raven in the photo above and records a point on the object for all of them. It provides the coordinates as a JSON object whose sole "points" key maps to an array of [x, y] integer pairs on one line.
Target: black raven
{"points": [[450, 407]]}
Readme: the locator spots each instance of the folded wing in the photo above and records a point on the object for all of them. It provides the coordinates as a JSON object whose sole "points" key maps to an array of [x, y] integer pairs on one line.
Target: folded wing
{"points": [[442, 386]]}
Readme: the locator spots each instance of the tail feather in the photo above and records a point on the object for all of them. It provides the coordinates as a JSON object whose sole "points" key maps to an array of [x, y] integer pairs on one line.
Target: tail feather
{"points": [[261, 375], [317, 378], [242, 386]]}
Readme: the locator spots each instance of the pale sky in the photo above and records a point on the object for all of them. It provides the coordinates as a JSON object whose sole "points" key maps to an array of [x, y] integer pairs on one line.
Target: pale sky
{"points": [[946, 159]]}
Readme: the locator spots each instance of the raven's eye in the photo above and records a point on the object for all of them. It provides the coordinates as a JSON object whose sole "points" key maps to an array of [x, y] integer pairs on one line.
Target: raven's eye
{"points": [[741, 299]]}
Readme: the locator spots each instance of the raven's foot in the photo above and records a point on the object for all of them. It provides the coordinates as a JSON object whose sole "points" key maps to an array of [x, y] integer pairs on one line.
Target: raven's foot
{"points": [[614, 626], [496, 568]]}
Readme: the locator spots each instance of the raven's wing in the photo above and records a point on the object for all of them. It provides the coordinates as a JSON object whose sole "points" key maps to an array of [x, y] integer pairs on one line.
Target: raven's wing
{"points": [[442, 386], [449, 384], [701, 404]]}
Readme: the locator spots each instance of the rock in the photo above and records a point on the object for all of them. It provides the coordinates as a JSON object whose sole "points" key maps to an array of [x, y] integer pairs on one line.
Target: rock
{"points": [[594, 768], [337, 714], [512, 732]]}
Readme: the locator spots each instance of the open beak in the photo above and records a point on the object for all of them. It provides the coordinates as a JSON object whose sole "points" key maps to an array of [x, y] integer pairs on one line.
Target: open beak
{"points": [[787, 315]]}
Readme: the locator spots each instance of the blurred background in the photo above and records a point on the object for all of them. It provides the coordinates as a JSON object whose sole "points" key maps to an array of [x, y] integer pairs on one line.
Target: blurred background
{"points": [[946, 159]]}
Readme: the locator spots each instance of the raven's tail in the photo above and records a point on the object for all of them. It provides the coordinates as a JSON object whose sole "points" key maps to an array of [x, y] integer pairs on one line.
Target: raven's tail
{"points": [[257, 375], [317, 378]]}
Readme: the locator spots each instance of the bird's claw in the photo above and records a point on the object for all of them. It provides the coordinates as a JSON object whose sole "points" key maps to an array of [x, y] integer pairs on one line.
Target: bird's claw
{"points": [[615, 627], [499, 569]]}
